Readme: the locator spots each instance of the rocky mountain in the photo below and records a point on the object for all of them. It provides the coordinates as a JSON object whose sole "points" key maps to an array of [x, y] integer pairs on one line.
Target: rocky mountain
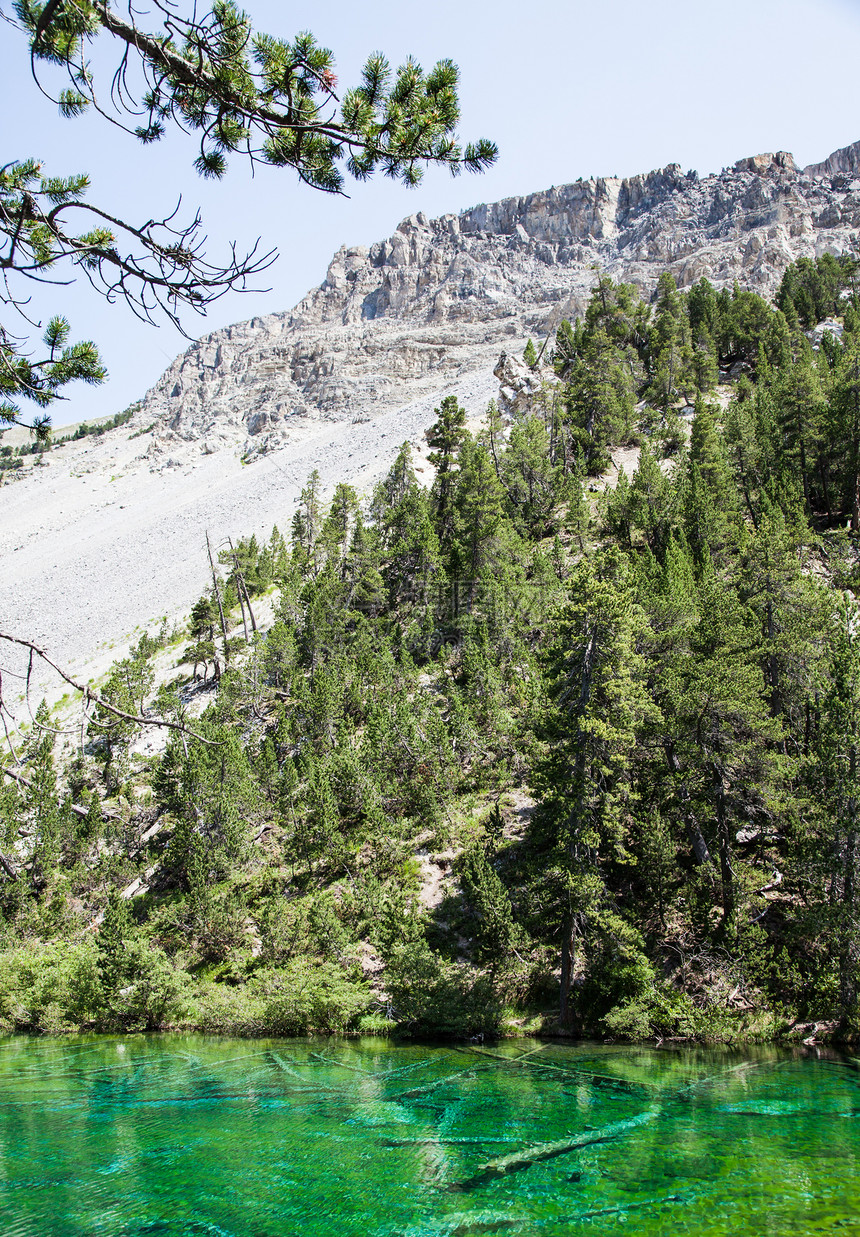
{"points": [[441, 298], [108, 535]]}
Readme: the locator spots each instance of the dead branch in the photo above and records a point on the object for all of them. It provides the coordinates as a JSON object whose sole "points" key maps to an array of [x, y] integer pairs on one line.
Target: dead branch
{"points": [[91, 697]]}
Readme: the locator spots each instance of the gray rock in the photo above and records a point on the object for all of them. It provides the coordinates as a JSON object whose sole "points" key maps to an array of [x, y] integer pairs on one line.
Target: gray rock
{"points": [[442, 298], [519, 386]]}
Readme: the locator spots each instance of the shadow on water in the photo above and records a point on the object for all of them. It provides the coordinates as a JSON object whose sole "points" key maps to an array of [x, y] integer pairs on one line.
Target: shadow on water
{"points": [[180, 1134]]}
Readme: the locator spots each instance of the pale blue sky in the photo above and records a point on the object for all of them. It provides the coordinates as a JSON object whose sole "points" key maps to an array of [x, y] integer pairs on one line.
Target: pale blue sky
{"points": [[566, 88]]}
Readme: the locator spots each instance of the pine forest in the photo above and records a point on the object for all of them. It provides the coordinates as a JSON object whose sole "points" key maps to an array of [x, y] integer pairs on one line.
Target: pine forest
{"points": [[513, 752]]}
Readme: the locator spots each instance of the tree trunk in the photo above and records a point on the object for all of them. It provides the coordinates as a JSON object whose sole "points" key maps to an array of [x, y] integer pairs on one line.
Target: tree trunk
{"points": [[848, 944], [725, 845], [242, 589], [804, 473], [697, 842], [217, 591], [567, 1011]]}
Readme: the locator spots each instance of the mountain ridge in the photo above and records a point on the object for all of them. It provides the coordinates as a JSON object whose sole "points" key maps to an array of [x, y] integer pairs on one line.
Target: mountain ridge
{"points": [[440, 298], [327, 386]]}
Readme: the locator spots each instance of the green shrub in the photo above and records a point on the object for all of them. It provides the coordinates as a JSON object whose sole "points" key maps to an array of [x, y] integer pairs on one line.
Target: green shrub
{"points": [[222, 1010], [158, 993], [433, 997], [619, 973], [49, 988], [309, 996]]}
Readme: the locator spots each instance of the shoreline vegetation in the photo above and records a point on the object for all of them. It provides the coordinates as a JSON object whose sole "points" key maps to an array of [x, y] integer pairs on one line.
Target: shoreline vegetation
{"points": [[519, 754]]}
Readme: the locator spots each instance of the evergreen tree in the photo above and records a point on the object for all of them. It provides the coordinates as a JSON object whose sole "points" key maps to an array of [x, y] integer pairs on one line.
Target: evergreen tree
{"points": [[670, 355], [445, 437], [307, 523], [335, 531], [480, 526], [49, 820], [201, 630], [710, 506], [838, 749], [599, 399], [586, 784], [236, 89], [532, 482], [719, 728], [844, 435], [112, 944], [566, 349], [789, 608], [653, 502], [800, 401]]}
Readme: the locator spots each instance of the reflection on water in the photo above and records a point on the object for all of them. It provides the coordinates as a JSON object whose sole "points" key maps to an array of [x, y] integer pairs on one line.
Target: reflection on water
{"points": [[230, 1138]]}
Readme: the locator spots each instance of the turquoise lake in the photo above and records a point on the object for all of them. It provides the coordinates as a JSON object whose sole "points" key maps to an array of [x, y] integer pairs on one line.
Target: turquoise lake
{"points": [[182, 1134]]}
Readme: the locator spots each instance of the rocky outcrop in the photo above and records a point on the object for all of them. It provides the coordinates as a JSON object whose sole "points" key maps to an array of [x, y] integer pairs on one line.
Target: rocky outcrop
{"points": [[519, 385], [844, 162], [442, 298]]}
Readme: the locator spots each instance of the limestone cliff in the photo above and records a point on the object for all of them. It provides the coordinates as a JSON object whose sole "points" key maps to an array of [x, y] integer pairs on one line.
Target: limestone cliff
{"points": [[441, 298]]}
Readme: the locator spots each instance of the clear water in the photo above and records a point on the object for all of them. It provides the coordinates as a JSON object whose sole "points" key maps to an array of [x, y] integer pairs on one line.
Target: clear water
{"points": [[194, 1135]]}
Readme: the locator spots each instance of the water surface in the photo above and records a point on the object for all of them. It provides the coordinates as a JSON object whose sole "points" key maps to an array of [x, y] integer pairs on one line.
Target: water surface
{"points": [[233, 1138]]}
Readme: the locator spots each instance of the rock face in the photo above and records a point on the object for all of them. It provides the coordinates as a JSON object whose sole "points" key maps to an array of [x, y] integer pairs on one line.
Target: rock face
{"points": [[442, 298]]}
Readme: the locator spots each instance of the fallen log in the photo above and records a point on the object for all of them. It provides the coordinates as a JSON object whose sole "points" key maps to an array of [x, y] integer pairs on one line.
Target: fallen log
{"points": [[310, 1083], [519, 1160], [625, 1207], [469, 1225], [443, 1142], [726, 1073], [414, 1092], [568, 1071], [318, 1056]]}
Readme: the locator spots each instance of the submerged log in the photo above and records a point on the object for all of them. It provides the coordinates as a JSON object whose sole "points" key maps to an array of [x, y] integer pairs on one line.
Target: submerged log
{"points": [[578, 1075], [318, 1056], [519, 1160], [470, 1224], [443, 1141], [623, 1208], [725, 1073], [414, 1092], [310, 1083]]}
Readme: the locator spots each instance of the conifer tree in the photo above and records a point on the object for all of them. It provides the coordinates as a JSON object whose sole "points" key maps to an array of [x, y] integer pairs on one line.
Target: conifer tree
{"points": [[839, 757], [335, 531], [670, 355], [43, 798], [790, 611], [599, 398], [845, 417], [111, 943], [307, 523], [532, 481], [445, 437], [801, 405], [710, 504], [566, 349], [479, 521], [653, 501], [586, 784], [719, 726], [201, 630]]}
